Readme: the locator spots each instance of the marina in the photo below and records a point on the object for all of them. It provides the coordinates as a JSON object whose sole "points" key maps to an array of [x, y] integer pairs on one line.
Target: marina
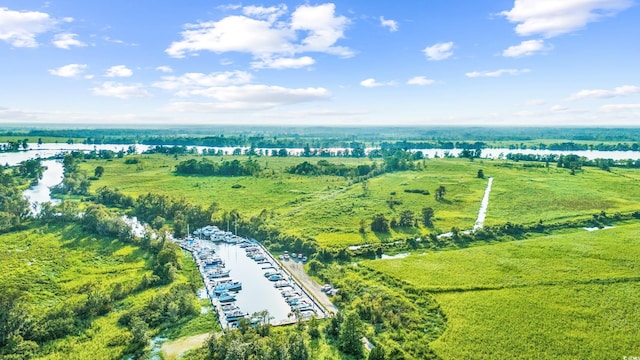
{"points": [[242, 280]]}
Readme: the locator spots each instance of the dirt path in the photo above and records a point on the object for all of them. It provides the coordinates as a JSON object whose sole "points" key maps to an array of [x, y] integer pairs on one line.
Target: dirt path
{"points": [[173, 349], [482, 214], [296, 269]]}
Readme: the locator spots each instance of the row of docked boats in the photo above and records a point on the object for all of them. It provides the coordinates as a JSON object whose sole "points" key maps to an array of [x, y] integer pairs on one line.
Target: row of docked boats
{"points": [[220, 287], [296, 299], [213, 233]]}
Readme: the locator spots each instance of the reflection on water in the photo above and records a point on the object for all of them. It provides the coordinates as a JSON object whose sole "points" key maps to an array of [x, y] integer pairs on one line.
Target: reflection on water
{"points": [[41, 193]]}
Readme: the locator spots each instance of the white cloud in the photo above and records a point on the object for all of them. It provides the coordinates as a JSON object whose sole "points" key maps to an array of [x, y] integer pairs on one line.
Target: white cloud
{"points": [[371, 83], [556, 17], [619, 107], [229, 7], [185, 84], [525, 48], [119, 90], [420, 80], [271, 13], [118, 41], [20, 28], [324, 29], [249, 97], [283, 63], [66, 41], [439, 51], [496, 73], [604, 94], [257, 32], [69, 71], [164, 69], [118, 71], [391, 24]]}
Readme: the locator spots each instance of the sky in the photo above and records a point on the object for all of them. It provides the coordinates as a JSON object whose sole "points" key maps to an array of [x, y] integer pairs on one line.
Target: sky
{"points": [[341, 63]]}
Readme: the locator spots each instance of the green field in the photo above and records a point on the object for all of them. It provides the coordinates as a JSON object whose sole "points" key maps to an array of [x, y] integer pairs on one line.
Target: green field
{"points": [[570, 295], [330, 209], [55, 267]]}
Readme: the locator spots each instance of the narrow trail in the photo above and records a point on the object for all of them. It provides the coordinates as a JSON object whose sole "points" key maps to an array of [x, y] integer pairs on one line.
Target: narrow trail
{"points": [[483, 207]]}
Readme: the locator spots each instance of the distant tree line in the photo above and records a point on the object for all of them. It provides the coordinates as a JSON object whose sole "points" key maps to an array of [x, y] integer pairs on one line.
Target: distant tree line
{"points": [[575, 162], [223, 168]]}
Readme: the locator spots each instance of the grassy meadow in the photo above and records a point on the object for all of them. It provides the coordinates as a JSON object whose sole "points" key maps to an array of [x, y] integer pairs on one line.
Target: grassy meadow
{"points": [[55, 266], [530, 194], [330, 209], [564, 296]]}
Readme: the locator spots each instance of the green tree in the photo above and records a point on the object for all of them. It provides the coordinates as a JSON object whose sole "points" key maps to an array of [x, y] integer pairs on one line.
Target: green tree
{"points": [[480, 174], [440, 193], [350, 338], [98, 171], [427, 216], [380, 224], [139, 330], [377, 353], [406, 218], [297, 348]]}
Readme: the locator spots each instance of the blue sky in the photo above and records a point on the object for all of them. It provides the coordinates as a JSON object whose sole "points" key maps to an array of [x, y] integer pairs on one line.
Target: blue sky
{"points": [[342, 63]]}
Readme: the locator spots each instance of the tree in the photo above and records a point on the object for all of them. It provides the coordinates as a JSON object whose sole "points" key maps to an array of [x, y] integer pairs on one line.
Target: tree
{"points": [[406, 218], [380, 223], [350, 338], [427, 216], [314, 329], [98, 171], [377, 353], [440, 192], [297, 348], [139, 330], [480, 174]]}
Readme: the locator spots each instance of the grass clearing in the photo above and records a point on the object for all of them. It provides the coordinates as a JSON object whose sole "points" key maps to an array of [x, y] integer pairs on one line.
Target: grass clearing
{"points": [[571, 295]]}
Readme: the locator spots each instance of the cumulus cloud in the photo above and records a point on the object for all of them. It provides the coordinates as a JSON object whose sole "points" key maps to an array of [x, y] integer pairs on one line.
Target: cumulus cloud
{"points": [[439, 51], [259, 32], [69, 71], [420, 80], [283, 63], [371, 83], [496, 73], [120, 91], [164, 69], [392, 25], [185, 84], [525, 48], [604, 94], [20, 28], [118, 71], [66, 41], [249, 97], [556, 17]]}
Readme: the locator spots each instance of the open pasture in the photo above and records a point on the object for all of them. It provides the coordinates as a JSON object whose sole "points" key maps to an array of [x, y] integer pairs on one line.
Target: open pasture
{"points": [[570, 295]]}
